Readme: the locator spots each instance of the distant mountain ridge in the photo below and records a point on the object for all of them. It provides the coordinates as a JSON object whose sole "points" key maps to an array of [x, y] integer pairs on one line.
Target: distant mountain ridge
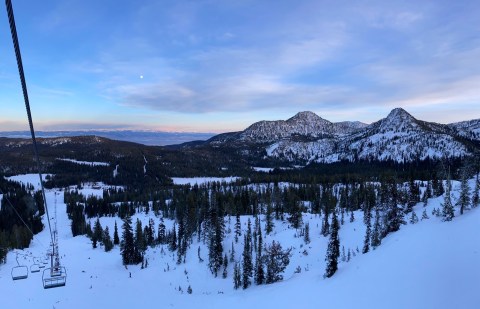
{"points": [[150, 138], [400, 137]]}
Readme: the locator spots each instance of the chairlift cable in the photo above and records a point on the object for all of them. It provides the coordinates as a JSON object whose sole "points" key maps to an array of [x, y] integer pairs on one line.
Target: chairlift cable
{"points": [[18, 55], [20, 217]]}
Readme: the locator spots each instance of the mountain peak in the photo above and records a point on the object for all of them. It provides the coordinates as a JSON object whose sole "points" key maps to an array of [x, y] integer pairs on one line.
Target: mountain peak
{"points": [[399, 113], [306, 116]]}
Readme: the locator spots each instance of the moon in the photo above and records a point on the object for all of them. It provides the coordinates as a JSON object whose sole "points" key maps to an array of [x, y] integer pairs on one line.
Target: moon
{"points": [[141, 76]]}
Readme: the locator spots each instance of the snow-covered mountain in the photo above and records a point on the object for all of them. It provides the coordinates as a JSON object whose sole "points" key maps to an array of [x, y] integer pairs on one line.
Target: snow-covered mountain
{"points": [[469, 129], [399, 137], [306, 124]]}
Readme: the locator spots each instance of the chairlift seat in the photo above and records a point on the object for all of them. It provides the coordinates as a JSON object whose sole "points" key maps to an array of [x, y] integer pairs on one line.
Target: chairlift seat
{"points": [[35, 268], [19, 272], [54, 278]]}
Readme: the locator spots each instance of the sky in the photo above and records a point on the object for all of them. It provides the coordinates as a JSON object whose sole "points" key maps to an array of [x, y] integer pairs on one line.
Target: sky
{"points": [[220, 65]]}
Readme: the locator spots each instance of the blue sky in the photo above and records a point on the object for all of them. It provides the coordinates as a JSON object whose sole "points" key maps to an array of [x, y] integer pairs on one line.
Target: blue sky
{"points": [[217, 66]]}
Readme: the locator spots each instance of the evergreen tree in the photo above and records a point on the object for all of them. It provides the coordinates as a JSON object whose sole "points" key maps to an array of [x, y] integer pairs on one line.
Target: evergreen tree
{"points": [[237, 277], [116, 239], [464, 198], [476, 192], [150, 233], [424, 215], [295, 217], [306, 235], [376, 238], [352, 216], [247, 258], [447, 207], [97, 233], [333, 250], [366, 242], [161, 234], [325, 223], [277, 260], [238, 227], [232, 254], [173, 239], [140, 243], [107, 240], [269, 225], [259, 272], [413, 217], [394, 215], [225, 265], [127, 246]]}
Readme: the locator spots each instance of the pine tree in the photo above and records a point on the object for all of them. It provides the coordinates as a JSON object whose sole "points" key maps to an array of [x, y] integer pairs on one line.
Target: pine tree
{"points": [[476, 193], [116, 239], [464, 198], [333, 250], [161, 234], [247, 258], [376, 238], [225, 265], [237, 277], [127, 246], [413, 217], [173, 239], [139, 237], [269, 225], [295, 217], [259, 272], [306, 235], [277, 260], [447, 207], [97, 233], [238, 227], [232, 254], [424, 215], [325, 223], [366, 242], [352, 216], [107, 240]]}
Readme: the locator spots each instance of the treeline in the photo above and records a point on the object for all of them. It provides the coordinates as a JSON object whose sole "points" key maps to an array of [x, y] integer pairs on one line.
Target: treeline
{"points": [[20, 215]]}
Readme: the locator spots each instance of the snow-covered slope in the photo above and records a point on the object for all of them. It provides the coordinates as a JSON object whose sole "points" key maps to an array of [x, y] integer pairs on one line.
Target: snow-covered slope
{"points": [[469, 129], [431, 264]]}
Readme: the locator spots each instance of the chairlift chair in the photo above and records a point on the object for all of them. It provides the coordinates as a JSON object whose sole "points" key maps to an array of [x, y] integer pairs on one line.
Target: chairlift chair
{"points": [[35, 268], [19, 272], [54, 277]]}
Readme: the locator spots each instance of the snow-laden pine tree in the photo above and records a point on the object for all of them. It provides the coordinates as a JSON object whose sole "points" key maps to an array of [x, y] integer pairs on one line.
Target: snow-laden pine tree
{"points": [[259, 271], [277, 260], [238, 227], [447, 206], [247, 258], [116, 239], [333, 249], [476, 193], [464, 198], [107, 240], [376, 233], [127, 246], [269, 225], [237, 277], [366, 242]]}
